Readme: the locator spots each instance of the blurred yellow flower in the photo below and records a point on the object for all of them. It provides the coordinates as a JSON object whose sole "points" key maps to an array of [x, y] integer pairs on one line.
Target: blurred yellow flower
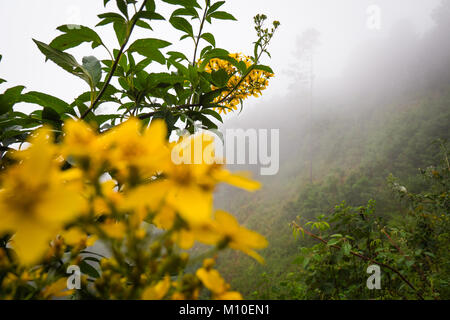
{"points": [[137, 153], [36, 200], [158, 291], [213, 281], [226, 228], [56, 289]]}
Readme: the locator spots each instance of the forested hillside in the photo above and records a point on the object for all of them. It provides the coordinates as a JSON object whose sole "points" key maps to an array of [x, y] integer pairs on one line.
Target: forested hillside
{"points": [[369, 148]]}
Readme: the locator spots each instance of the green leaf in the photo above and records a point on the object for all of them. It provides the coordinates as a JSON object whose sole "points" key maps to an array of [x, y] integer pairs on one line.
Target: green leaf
{"points": [[88, 72], [215, 6], [177, 55], [346, 248], [150, 48], [263, 68], [93, 67], [91, 259], [222, 15], [148, 15], [62, 59], [122, 5], [213, 113], [45, 100], [149, 43], [74, 36], [220, 77], [9, 98], [150, 6], [191, 12], [182, 25], [184, 3], [89, 270], [143, 24], [51, 115], [110, 17], [210, 38], [210, 96], [121, 31]]}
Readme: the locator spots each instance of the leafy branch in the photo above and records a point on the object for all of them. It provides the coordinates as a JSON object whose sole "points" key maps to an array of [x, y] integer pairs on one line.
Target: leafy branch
{"points": [[133, 22], [360, 256]]}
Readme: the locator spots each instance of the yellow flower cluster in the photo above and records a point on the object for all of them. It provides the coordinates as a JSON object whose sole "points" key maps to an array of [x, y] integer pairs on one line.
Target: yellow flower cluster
{"points": [[239, 86], [124, 189]]}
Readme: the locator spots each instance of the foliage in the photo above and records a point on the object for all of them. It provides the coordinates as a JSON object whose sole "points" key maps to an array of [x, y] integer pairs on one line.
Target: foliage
{"points": [[81, 177], [410, 249], [352, 159]]}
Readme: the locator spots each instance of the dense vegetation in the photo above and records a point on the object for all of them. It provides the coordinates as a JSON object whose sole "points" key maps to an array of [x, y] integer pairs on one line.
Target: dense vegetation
{"points": [[380, 189]]}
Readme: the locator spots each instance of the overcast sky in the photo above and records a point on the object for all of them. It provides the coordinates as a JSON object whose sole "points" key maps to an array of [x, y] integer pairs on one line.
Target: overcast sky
{"points": [[342, 24]]}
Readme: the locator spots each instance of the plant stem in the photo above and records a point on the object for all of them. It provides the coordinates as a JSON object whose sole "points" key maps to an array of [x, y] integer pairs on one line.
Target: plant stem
{"points": [[197, 41], [114, 66]]}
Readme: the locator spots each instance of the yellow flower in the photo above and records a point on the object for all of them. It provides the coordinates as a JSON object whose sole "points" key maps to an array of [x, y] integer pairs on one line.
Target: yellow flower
{"points": [[56, 289], [190, 184], [109, 197], [213, 281], [83, 144], [238, 87], [184, 238], [36, 200], [113, 229], [76, 237], [187, 185], [158, 291], [226, 228], [138, 154], [229, 295]]}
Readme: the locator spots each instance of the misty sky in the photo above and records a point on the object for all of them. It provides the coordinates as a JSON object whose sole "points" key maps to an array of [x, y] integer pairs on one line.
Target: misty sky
{"points": [[342, 25]]}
